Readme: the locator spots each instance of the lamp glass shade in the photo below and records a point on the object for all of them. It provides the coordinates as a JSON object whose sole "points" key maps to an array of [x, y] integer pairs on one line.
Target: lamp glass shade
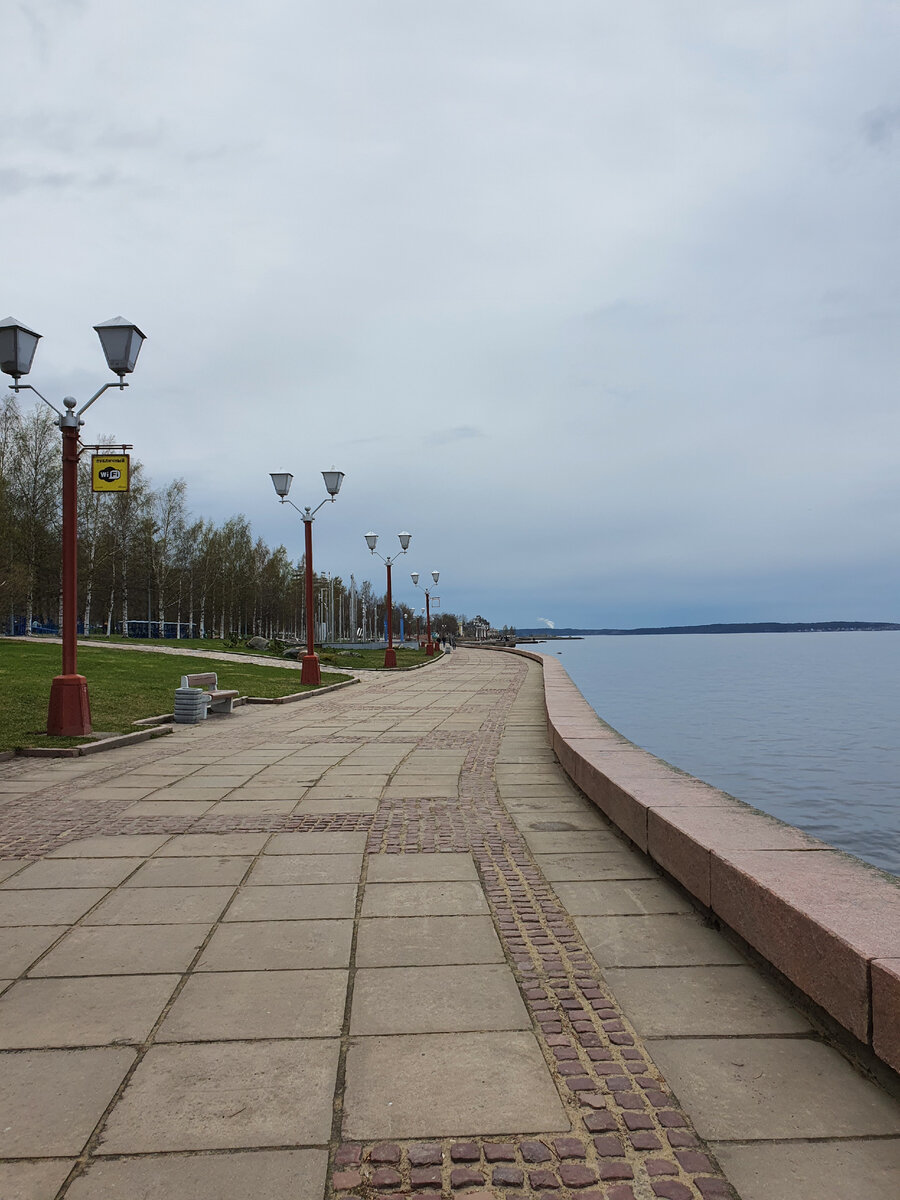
{"points": [[17, 346], [333, 481], [371, 540], [281, 483], [414, 576], [404, 539], [121, 342], [435, 575]]}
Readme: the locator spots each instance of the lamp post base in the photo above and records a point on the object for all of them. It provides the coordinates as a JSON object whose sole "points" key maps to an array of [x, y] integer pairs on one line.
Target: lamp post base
{"points": [[429, 649], [390, 657], [310, 669], [69, 714]]}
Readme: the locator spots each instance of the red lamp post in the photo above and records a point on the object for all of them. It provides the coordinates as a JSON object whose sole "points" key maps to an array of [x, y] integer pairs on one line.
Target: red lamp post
{"points": [[390, 654], [435, 575], [69, 712], [310, 671]]}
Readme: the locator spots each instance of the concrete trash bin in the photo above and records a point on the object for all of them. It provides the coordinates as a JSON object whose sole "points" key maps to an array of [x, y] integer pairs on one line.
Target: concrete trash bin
{"points": [[190, 705]]}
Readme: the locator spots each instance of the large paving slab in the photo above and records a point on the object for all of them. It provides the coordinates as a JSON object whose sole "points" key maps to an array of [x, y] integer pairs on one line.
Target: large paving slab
{"points": [[201, 871], [21, 945], [613, 864], [73, 873], [703, 1002], [47, 906], [278, 946], [436, 999], [789, 1171], [662, 940], [426, 941], [124, 950], [51, 1100], [110, 846], [753, 1089], [93, 1011], [248, 1005], [421, 868], [554, 840], [34, 1180], [226, 1094], [195, 845], [294, 902], [451, 899], [298, 1174], [161, 906], [621, 897], [444, 1084], [306, 868]]}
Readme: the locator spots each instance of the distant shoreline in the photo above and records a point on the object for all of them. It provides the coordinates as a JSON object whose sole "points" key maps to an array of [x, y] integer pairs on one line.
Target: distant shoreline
{"points": [[744, 627]]}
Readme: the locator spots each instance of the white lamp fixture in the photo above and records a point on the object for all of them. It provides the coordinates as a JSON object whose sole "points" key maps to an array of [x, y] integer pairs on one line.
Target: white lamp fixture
{"points": [[435, 575], [404, 541], [121, 342], [333, 480], [414, 576], [281, 482], [17, 346], [371, 540]]}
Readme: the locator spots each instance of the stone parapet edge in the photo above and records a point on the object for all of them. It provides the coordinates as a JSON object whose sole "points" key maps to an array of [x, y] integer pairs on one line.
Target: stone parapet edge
{"points": [[827, 921]]}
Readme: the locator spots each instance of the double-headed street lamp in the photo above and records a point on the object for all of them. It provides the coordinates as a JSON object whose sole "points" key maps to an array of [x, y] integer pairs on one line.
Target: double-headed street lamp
{"points": [[310, 670], [390, 654], [69, 714], [435, 575]]}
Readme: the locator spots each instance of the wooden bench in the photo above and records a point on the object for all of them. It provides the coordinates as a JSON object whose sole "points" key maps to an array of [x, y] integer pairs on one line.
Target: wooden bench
{"points": [[220, 700]]}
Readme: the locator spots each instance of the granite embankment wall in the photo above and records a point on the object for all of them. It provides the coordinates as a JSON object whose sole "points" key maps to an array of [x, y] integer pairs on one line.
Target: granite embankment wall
{"points": [[826, 920]]}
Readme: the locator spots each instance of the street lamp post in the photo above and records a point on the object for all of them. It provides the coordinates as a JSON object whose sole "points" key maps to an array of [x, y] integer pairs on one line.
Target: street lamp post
{"points": [[310, 670], [390, 654], [435, 575], [69, 712]]}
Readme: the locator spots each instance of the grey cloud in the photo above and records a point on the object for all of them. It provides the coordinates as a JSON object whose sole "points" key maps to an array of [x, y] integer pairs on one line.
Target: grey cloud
{"points": [[458, 433], [14, 181], [880, 126], [43, 24]]}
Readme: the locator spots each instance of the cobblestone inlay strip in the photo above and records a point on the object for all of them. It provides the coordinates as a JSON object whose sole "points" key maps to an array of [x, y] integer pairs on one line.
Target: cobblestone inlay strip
{"points": [[629, 1140]]}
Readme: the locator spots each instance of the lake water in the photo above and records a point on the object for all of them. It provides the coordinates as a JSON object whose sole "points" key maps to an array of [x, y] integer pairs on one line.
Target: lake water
{"points": [[801, 725]]}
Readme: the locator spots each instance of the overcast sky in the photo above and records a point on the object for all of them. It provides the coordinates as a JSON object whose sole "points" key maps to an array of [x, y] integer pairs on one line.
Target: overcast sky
{"points": [[601, 301]]}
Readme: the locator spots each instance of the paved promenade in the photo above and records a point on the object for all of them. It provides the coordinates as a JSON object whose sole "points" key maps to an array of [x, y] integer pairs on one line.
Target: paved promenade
{"points": [[375, 944]]}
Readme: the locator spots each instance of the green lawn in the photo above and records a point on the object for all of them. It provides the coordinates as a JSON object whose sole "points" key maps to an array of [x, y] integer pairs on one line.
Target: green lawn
{"points": [[124, 687], [213, 644], [372, 658]]}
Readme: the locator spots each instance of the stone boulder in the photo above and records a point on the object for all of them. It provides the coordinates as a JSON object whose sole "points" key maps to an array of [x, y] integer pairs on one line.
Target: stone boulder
{"points": [[258, 643]]}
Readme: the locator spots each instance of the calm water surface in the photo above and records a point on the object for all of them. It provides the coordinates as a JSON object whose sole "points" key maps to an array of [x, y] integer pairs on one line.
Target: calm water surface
{"points": [[802, 725]]}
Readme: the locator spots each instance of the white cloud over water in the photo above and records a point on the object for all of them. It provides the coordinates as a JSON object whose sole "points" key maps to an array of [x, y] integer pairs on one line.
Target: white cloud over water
{"points": [[600, 301]]}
